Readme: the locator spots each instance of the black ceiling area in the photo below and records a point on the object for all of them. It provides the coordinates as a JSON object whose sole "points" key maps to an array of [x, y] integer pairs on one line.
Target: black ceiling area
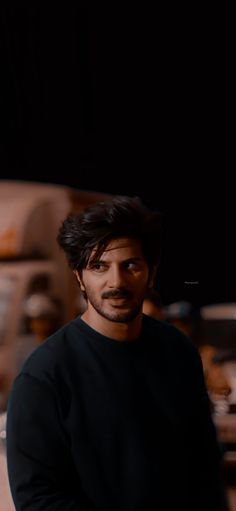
{"points": [[137, 103]]}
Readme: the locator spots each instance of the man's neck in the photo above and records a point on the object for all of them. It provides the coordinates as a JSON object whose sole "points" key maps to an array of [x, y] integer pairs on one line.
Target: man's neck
{"points": [[127, 331]]}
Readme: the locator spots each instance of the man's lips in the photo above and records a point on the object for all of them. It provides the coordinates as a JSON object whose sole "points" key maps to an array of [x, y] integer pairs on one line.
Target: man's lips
{"points": [[117, 295], [118, 302]]}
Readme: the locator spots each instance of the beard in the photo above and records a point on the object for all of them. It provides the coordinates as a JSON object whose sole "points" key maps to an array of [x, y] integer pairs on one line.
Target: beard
{"points": [[116, 315]]}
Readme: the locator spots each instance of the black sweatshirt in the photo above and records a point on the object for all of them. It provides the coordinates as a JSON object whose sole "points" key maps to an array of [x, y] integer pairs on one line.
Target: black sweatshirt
{"points": [[99, 424]]}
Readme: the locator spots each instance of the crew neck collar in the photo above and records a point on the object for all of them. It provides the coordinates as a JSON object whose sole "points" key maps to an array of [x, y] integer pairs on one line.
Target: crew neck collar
{"points": [[105, 340]]}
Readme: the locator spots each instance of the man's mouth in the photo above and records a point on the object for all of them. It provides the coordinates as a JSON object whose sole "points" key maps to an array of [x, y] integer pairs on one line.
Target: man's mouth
{"points": [[117, 295]]}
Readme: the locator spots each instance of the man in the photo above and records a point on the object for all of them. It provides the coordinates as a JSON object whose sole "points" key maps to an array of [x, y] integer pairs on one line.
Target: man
{"points": [[152, 304], [111, 412]]}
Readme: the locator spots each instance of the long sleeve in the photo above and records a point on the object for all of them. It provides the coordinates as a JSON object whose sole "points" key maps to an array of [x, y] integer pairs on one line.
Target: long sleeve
{"points": [[41, 472]]}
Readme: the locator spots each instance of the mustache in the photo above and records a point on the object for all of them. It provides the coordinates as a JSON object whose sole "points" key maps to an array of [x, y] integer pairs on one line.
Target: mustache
{"points": [[117, 293]]}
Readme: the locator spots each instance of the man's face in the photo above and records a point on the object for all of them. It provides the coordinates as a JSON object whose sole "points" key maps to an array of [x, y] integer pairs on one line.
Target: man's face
{"points": [[116, 283]]}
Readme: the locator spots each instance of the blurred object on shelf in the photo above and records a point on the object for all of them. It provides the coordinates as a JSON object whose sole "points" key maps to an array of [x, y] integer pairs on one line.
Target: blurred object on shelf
{"points": [[219, 311], [43, 313], [216, 380], [183, 315], [218, 327]]}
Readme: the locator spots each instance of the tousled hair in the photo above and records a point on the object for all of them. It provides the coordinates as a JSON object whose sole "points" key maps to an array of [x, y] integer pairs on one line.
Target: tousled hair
{"points": [[121, 216]]}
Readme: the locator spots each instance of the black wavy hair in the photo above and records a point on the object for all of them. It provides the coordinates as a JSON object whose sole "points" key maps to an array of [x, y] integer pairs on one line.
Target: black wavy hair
{"points": [[120, 216]]}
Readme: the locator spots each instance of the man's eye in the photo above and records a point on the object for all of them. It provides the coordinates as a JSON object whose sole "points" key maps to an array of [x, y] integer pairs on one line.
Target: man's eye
{"points": [[98, 267], [131, 266]]}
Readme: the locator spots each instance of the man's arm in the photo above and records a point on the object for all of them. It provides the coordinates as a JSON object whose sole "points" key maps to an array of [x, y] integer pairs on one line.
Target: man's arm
{"points": [[41, 472]]}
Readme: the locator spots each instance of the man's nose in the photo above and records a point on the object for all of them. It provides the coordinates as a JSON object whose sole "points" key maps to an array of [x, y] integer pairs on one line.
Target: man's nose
{"points": [[116, 277]]}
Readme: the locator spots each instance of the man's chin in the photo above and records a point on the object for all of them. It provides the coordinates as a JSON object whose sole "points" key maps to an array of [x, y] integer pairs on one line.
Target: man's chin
{"points": [[121, 316]]}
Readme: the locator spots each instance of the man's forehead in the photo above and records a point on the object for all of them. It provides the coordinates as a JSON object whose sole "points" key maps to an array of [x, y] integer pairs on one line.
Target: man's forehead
{"points": [[119, 243], [126, 244]]}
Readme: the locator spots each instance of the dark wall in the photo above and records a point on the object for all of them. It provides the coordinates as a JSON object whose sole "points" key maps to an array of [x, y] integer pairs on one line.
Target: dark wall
{"points": [[133, 102]]}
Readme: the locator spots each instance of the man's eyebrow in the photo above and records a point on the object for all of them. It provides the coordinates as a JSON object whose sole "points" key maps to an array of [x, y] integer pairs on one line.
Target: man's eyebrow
{"points": [[126, 260]]}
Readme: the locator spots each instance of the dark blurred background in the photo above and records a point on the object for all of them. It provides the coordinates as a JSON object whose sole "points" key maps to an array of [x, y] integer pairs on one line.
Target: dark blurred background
{"points": [[138, 102]]}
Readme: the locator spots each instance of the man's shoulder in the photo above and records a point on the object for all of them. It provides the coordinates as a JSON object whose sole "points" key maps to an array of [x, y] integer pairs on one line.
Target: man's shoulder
{"points": [[51, 353], [162, 327], [169, 337]]}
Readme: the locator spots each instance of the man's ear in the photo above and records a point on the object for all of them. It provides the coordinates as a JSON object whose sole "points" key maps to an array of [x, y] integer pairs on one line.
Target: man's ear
{"points": [[79, 279], [152, 276]]}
